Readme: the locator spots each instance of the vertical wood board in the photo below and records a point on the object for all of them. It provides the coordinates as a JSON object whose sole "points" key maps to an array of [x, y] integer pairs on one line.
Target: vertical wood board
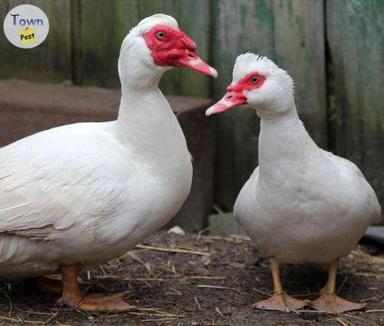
{"points": [[356, 53]]}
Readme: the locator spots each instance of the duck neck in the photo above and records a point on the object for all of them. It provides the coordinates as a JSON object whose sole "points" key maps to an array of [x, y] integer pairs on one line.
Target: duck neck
{"points": [[146, 123], [283, 142]]}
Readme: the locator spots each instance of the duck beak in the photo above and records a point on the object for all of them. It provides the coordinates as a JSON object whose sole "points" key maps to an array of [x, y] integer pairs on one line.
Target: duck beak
{"points": [[192, 61], [229, 101]]}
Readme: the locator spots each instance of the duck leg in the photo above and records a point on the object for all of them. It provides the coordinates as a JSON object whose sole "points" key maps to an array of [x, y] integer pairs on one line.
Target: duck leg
{"points": [[279, 300], [73, 297], [329, 301]]}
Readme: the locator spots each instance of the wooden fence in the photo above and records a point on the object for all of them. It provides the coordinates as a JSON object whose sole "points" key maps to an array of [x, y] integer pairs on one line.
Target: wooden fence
{"points": [[334, 50]]}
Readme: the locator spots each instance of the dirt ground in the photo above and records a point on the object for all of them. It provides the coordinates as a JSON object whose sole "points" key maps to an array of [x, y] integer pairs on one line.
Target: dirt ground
{"points": [[203, 280]]}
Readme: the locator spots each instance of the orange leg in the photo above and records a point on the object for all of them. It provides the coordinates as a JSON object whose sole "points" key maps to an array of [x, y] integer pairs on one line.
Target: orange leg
{"points": [[73, 297], [279, 300], [329, 301]]}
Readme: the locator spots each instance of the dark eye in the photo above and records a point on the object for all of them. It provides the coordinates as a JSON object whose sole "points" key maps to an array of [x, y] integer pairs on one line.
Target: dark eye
{"points": [[160, 35], [254, 79]]}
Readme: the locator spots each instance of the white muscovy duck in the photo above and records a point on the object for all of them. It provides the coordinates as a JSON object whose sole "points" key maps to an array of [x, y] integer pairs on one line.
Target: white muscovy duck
{"points": [[80, 195], [302, 204]]}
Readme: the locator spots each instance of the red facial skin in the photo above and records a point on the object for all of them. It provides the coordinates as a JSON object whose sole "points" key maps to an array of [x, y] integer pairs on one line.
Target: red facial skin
{"points": [[172, 47], [235, 93]]}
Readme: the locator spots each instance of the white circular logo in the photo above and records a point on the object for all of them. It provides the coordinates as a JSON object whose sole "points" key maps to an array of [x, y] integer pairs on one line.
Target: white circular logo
{"points": [[26, 26]]}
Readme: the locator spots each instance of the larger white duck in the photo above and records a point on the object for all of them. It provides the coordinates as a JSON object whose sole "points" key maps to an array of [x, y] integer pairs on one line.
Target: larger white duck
{"points": [[302, 204], [82, 194]]}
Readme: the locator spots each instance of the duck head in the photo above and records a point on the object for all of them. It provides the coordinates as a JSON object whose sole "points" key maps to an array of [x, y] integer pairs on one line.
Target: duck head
{"points": [[259, 83], [155, 45]]}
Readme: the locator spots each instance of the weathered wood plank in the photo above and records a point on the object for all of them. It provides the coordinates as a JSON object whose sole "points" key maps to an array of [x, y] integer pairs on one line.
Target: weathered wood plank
{"points": [[98, 30], [238, 26], [300, 49], [51, 60], [356, 54]]}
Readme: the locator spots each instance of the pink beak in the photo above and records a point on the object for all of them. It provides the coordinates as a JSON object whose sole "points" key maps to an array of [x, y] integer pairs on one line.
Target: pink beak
{"points": [[194, 62], [229, 101]]}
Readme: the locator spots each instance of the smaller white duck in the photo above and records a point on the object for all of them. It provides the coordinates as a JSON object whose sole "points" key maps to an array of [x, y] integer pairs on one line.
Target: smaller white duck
{"points": [[302, 204]]}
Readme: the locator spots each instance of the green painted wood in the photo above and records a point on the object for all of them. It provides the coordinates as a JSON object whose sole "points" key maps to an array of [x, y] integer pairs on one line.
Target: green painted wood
{"points": [[300, 49], [50, 61], [356, 58], [98, 30], [238, 26], [291, 33]]}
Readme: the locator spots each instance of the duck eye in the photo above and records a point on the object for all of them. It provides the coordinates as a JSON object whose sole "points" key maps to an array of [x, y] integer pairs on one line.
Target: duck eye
{"points": [[254, 79], [160, 35]]}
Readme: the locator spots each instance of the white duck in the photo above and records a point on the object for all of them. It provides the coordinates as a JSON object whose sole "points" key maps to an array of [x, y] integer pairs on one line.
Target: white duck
{"points": [[80, 195], [302, 204]]}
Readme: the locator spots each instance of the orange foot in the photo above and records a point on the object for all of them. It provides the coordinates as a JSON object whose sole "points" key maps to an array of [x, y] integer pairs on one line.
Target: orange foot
{"points": [[98, 303], [280, 302], [332, 304]]}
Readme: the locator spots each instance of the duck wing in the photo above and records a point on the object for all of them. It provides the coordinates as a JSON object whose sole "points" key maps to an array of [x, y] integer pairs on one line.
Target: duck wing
{"points": [[60, 178], [365, 192]]}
